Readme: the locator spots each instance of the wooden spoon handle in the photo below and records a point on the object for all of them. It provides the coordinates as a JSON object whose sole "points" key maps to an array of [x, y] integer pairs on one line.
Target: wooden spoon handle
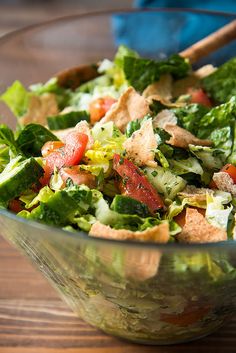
{"points": [[210, 43]]}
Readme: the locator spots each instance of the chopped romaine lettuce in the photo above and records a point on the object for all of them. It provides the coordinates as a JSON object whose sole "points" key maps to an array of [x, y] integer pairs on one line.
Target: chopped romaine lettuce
{"points": [[142, 72], [221, 84], [17, 98]]}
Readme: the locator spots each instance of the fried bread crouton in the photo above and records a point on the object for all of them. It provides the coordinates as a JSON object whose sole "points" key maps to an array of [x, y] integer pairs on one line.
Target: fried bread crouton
{"points": [[141, 145], [40, 107], [130, 106], [183, 138], [197, 230], [158, 234], [163, 118], [224, 182]]}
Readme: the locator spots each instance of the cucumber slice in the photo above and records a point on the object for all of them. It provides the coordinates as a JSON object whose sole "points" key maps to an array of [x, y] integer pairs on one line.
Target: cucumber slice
{"points": [[128, 205], [64, 121], [18, 176], [63, 205], [165, 181]]}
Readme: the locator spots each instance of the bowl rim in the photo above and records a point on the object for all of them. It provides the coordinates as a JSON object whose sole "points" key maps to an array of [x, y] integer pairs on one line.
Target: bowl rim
{"points": [[226, 245], [12, 34]]}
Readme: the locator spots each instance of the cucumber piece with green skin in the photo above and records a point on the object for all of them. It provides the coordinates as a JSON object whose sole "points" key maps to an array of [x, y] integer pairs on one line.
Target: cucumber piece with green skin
{"points": [[165, 181], [64, 121], [128, 205], [63, 205], [19, 176]]}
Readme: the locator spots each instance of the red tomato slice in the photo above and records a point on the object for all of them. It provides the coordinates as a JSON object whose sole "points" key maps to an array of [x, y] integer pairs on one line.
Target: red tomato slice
{"points": [[78, 176], [68, 155], [99, 107], [191, 314], [200, 97], [15, 206], [231, 170], [135, 184], [51, 146]]}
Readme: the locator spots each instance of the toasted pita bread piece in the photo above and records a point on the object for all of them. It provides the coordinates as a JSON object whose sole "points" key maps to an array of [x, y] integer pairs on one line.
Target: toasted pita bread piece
{"points": [[196, 196], [224, 182], [183, 138], [162, 88], [198, 230], [75, 76], [141, 145], [142, 264], [166, 116], [193, 80], [130, 106], [158, 234], [82, 127], [40, 107]]}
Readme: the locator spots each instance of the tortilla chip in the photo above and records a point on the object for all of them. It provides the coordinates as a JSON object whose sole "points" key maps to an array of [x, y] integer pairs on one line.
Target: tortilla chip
{"points": [[198, 230], [40, 107], [158, 234], [130, 106], [141, 145], [183, 138]]}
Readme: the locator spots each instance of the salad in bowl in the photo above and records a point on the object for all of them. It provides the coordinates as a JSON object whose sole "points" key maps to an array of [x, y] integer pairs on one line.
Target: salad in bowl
{"points": [[129, 149], [119, 173]]}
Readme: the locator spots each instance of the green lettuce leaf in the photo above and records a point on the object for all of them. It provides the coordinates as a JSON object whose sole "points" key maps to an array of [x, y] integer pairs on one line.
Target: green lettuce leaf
{"points": [[17, 98], [142, 72], [32, 138], [221, 84], [216, 213], [217, 118], [211, 158], [7, 138], [190, 115]]}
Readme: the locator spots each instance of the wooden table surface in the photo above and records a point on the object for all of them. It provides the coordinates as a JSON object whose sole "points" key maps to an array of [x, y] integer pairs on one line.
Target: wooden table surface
{"points": [[32, 317]]}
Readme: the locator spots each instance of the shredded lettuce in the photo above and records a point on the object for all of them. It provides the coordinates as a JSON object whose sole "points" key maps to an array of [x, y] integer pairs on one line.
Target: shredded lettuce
{"points": [[221, 84], [17, 98], [217, 118], [216, 214], [31, 199], [211, 158], [184, 166]]}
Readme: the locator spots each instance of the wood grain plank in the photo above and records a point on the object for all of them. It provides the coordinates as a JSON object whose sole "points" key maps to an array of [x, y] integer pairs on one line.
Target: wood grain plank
{"points": [[49, 326]]}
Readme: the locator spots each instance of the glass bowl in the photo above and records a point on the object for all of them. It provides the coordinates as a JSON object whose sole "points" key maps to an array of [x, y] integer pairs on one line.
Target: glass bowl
{"points": [[143, 292]]}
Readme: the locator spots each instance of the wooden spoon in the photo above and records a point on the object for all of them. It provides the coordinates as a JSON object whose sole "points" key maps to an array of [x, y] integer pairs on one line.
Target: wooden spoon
{"points": [[211, 43], [75, 76]]}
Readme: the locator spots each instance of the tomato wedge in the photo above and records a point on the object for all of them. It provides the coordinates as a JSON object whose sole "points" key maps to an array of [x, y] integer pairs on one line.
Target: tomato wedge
{"points": [[200, 97], [99, 107], [78, 176], [135, 184], [51, 146], [231, 170], [190, 315], [16, 205], [68, 154]]}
